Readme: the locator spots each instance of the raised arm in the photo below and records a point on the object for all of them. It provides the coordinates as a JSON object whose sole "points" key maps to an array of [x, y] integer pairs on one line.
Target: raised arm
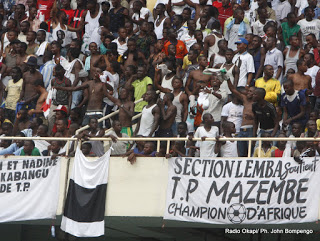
{"points": [[234, 91], [72, 88]]}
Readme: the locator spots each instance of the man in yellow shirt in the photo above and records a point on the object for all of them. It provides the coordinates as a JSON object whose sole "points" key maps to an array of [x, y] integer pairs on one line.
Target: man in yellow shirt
{"points": [[272, 86], [266, 147], [13, 91]]}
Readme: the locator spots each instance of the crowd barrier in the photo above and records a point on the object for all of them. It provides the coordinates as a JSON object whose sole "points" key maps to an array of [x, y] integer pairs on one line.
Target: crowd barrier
{"points": [[158, 140]]}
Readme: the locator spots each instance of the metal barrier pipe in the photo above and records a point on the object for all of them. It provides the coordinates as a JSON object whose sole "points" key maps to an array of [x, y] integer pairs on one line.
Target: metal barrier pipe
{"points": [[158, 145], [168, 147], [163, 138], [259, 148]]}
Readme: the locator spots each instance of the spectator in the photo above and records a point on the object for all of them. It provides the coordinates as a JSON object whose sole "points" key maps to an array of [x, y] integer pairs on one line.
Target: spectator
{"points": [[236, 29], [227, 148], [29, 149], [274, 58], [271, 85], [244, 61], [266, 148], [207, 131], [264, 114], [118, 148], [150, 116]]}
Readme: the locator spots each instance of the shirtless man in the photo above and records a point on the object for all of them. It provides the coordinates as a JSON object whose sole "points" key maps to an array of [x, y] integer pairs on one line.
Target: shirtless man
{"points": [[194, 77], [300, 80], [94, 93], [246, 129], [28, 94], [22, 121], [126, 110], [39, 87], [168, 116]]}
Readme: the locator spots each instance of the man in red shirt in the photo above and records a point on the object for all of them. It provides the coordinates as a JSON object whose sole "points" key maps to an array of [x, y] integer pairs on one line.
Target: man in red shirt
{"points": [[180, 46], [68, 10], [225, 11]]}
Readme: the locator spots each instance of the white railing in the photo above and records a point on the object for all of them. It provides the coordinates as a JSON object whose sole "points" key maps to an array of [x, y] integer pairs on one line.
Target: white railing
{"points": [[167, 139]]}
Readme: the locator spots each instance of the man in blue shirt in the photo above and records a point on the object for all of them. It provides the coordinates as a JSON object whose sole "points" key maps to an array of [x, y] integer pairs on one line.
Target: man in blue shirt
{"points": [[15, 148], [294, 105]]}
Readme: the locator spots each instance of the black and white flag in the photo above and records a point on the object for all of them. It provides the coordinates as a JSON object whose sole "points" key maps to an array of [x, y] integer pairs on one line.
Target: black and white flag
{"points": [[85, 204]]}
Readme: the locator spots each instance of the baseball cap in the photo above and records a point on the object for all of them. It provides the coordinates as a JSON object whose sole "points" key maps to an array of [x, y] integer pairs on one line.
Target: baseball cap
{"points": [[61, 108], [242, 40]]}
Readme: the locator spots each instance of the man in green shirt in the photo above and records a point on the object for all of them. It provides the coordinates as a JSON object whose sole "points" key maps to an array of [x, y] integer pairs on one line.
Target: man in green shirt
{"points": [[289, 29], [140, 84], [29, 149]]}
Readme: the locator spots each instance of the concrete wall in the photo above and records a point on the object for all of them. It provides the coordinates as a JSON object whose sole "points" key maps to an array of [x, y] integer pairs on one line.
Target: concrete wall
{"points": [[133, 190]]}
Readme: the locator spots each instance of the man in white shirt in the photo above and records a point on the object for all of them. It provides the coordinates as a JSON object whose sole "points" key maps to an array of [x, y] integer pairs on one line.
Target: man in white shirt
{"points": [[282, 9], [300, 5], [245, 63], [274, 57], [312, 68], [236, 29], [233, 112], [207, 130], [121, 41], [139, 12], [309, 25], [188, 37]]}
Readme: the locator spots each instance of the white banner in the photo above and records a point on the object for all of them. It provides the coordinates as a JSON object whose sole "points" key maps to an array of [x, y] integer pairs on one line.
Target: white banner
{"points": [[228, 191], [29, 188]]}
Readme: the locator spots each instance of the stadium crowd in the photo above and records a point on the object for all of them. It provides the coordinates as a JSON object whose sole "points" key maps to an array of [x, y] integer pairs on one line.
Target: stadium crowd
{"points": [[223, 69]]}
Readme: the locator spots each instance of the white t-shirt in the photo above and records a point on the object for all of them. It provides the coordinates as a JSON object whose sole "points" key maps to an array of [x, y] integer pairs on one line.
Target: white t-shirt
{"points": [[234, 114], [215, 104], [178, 9], [120, 147], [112, 80], [246, 65], [232, 35], [188, 40], [143, 13], [122, 48], [282, 9], [251, 15], [257, 27], [206, 147], [301, 4], [229, 149], [309, 27], [312, 72], [274, 58]]}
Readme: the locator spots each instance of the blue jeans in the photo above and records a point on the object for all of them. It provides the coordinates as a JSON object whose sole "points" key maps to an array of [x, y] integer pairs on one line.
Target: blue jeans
{"points": [[243, 145], [76, 98]]}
